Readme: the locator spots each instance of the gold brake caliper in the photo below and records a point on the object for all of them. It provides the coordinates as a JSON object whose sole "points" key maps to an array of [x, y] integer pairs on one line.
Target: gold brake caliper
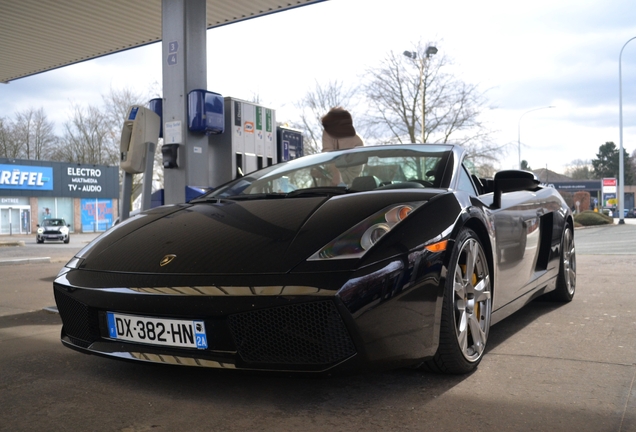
{"points": [[477, 314], [474, 282]]}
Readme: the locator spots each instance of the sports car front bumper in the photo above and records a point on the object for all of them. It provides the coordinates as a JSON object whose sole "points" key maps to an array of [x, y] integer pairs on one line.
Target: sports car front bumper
{"points": [[308, 335], [385, 313]]}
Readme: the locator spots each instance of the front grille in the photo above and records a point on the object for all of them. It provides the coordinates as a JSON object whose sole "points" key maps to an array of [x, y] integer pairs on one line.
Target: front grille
{"points": [[305, 333], [80, 322]]}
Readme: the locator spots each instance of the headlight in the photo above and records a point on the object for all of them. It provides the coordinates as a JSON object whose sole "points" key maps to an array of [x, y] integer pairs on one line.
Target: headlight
{"points": [[64, 230], [40, 230], [356, 241]]}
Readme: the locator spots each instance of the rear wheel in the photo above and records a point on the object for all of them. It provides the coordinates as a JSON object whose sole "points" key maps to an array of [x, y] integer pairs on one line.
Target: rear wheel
{"points": [[566, 281], [466, 309]]}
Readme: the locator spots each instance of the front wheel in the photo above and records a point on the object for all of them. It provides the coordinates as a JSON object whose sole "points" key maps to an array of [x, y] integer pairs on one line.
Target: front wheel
{"points": [[68, 239], [466, 308]]}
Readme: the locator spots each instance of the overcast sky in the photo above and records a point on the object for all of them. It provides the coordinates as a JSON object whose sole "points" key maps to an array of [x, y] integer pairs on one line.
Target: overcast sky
{"points": [[525, 55]]}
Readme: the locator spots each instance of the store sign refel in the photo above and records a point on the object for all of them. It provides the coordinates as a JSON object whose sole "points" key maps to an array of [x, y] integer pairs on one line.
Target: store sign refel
{"points": [[26, 177]]}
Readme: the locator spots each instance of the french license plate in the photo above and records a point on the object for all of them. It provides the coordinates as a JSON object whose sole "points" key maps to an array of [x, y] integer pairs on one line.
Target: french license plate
{"points": [[157, 331]]}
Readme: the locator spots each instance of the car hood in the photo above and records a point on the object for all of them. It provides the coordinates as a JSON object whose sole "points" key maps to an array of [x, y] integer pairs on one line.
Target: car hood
{"points": [[233, 237], [52, 228]]}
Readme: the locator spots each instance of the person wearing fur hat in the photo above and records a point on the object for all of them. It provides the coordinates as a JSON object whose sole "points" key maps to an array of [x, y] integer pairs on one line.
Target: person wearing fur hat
{"points": [[339, 132]]}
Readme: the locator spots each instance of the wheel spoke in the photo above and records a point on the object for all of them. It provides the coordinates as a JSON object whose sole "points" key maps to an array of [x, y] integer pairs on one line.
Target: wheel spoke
{"points": [[459, 285], [471, 257], [482, 291], [571, 277], [482, 296], [479, 336], [462, 332]]}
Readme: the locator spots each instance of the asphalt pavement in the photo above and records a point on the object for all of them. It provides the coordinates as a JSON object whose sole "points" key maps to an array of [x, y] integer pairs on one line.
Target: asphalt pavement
{"points": [[548, 367], [23, 249]]}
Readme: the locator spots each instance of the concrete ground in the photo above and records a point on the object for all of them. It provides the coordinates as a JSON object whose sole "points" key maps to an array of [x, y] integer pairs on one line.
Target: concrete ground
{"points": [[549, 367]]}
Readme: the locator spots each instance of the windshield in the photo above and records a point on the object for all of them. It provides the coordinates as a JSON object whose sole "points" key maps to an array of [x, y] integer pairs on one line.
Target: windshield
{"points": [[53, 222], [353, 170]]}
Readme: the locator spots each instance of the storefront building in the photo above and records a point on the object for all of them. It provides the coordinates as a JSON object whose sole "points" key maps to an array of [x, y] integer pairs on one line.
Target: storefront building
{"points": [[85, 196], [595, 189]]}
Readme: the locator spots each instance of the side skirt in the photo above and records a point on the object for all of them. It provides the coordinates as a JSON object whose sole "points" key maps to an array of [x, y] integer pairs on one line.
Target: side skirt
{"points": [[521, 301]]}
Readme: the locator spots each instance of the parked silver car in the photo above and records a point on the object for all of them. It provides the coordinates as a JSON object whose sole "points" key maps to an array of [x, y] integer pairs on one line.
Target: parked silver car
{"points": [[53, 229]]}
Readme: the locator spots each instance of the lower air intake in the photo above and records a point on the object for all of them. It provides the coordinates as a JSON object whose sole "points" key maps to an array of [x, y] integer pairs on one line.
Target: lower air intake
{"points": [[303, 334], [80, 322]]}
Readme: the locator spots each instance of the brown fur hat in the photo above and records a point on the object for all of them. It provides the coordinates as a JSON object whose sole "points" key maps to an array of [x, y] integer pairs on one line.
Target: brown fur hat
{"points": [[338, 123]]}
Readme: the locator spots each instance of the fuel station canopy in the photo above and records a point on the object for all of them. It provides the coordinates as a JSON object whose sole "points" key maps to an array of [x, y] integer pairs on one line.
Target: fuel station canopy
{"points": [[40, 35]]}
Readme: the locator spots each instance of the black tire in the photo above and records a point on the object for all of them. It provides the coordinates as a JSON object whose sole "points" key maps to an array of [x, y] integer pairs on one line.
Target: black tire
{"points": [[68, 239], [566, 280], [466, 309], [37, 240]]}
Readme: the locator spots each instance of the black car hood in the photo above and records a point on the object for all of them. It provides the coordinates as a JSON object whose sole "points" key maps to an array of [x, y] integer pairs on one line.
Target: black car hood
{"points": [[233, 237]]}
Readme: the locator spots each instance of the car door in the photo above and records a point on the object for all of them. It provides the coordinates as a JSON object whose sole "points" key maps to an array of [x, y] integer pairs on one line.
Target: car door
{"points": [[523, 236]]}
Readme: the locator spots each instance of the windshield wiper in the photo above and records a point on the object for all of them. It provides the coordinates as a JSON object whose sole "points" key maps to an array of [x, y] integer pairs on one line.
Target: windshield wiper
{"points": [[314, 191], [257, 196], [245, 197], [320, 191]]}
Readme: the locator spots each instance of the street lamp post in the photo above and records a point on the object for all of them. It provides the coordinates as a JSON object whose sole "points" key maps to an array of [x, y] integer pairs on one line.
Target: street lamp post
{"points": [[430, 50], [519, 129], [621, 162]]}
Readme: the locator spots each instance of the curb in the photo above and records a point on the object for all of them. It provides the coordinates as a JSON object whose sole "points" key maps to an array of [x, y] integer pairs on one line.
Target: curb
{"points": [[19, 261], [12, 243]]}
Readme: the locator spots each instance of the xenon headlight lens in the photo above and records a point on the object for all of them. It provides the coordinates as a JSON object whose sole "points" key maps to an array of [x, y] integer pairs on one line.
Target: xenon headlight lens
{"points": [[356, 241], [373, 234]]}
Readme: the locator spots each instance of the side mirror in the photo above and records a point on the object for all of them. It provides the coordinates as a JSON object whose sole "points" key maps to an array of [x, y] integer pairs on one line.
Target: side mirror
{"points": [[513, 181], [38, 225]]}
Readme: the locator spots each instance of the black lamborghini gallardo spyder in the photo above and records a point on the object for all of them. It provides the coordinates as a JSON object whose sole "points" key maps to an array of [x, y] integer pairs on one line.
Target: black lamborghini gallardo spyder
{"points": [[374, 256]]}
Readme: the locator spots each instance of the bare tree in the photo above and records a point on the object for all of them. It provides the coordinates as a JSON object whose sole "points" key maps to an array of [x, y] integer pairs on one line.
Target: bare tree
{"points": [[315, 104], [413, 96], [86, 138], [9, 145], [23, 130], [29, 136], [486, 170], [44, 137], [580, 169]]}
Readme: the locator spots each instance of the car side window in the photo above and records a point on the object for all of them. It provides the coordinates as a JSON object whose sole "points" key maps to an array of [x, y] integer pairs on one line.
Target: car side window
{"points": [[465, 183]]}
